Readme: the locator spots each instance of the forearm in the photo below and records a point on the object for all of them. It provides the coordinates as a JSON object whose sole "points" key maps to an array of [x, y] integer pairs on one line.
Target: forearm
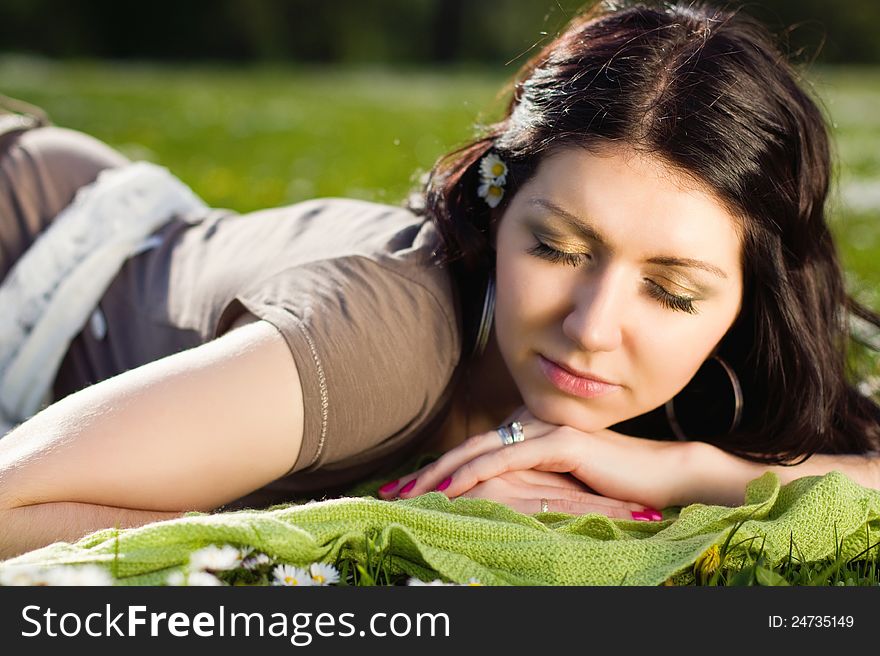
{"points": [[30, 527], [722, 478]]}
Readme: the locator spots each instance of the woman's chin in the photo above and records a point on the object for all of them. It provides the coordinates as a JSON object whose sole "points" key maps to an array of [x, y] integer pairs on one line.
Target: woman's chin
{"points": [[561, 413]]}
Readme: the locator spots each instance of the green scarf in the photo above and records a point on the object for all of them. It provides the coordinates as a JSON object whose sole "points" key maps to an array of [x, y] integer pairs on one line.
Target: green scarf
{"points": [[431, 536]]}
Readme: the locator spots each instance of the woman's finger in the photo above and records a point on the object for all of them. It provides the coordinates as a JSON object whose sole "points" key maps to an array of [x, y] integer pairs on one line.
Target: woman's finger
{"points": [[550, 479], [546, 454], [512, 487], [570, 506], [433, 476]]}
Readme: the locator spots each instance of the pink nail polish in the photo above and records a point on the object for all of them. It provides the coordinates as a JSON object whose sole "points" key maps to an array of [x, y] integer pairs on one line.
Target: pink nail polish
{"points": [[641, 516], [443, 485], [408, 487], [389, 485]]}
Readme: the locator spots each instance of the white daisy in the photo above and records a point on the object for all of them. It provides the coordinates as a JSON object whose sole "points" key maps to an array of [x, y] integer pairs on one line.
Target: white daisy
{"points": [[492, 192], [290, 575], [79, 576], [323, 574], [255, 561], [493, 168], [13, 575], [215, 558], [176, 578], [414, 581], [193, 579]]}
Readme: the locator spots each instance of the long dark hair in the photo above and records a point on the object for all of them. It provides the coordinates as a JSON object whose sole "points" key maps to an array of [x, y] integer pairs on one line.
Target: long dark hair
{"points": [[706, 92]]}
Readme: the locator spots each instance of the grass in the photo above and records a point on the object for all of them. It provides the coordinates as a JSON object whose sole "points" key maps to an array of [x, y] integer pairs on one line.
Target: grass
{"points": [[252, 138], [249, 139], [719, 566]]}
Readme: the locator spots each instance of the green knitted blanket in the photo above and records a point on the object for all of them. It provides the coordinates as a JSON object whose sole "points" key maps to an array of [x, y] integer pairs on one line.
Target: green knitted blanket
{"points": [[431, 536]]}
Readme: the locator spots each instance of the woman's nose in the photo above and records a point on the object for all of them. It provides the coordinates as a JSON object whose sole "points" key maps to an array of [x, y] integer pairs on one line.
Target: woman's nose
{"points": [[595, 322]]}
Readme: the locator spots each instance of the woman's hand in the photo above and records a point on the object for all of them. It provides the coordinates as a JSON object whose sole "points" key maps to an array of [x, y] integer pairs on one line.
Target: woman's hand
{"points": [[523, 490], [636, 470]]}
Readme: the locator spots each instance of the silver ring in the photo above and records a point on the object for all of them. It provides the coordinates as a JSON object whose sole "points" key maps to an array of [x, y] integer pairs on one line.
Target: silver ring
{"points": [[505, 435], [510, 433], [545, 506], [517, 429]]}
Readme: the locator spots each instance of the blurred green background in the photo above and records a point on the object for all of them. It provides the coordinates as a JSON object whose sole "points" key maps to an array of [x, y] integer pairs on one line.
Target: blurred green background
{"points": [[256, 104]]}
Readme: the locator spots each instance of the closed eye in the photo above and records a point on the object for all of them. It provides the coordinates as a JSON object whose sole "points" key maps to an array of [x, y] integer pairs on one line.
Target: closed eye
{"points": [[667, 299], [672, 301], [542, 250]]}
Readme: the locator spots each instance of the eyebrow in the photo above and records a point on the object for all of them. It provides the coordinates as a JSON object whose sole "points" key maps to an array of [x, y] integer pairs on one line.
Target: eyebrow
{"points": [[590, 232]]}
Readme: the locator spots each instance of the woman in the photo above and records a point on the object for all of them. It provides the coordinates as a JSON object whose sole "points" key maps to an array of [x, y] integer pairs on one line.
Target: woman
{"points": [[650, 208]]}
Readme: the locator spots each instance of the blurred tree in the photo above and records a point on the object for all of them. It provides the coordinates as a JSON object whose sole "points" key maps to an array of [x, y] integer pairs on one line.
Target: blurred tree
{"points": [[446, 30], [417, 31]]}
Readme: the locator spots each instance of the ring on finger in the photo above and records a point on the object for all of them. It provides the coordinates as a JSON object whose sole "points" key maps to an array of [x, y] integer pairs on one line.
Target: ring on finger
{"points": [[545, 505], [505, 434], [516, 429], [510, 433]]}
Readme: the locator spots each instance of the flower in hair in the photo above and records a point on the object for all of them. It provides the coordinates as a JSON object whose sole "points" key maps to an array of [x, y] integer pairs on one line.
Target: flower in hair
{"points": [[493, 175]]}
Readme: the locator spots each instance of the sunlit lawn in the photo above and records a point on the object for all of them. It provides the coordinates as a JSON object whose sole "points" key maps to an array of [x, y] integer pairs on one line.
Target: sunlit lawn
{"points": [[256, 138]]}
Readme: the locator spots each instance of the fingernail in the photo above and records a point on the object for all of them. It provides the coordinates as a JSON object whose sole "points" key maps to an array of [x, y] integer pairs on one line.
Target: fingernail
{"points": [[443, 485], [389, 485], [408, 487], [642, 516], [653, 513]]}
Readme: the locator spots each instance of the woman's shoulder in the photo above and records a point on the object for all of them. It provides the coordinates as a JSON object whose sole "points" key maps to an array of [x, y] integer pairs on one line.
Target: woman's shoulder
{"points": [[355, 223], [339, 230]]}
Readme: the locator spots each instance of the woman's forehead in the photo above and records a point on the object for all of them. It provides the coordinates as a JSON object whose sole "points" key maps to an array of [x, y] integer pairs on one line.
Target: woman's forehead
{"points": [[619, 197]]}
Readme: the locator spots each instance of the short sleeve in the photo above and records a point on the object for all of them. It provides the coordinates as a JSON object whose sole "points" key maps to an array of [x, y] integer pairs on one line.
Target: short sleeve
{"points": [[374, 350]]}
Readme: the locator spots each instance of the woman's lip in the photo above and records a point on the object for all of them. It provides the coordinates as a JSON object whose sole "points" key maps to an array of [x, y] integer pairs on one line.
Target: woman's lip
{"points": [[569, 382], [578, 374]]}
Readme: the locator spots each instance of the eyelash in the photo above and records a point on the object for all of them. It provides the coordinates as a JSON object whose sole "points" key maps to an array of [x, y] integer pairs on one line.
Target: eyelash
{"points": [[671, 301]]}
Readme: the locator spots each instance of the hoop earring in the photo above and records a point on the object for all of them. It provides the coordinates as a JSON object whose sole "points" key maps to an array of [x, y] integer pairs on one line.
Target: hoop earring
{"points": [[486, 318], [737, 400]]}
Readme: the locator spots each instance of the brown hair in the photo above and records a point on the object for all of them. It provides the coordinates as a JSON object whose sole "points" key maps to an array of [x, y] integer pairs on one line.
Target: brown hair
{"points": [[706, 92]]}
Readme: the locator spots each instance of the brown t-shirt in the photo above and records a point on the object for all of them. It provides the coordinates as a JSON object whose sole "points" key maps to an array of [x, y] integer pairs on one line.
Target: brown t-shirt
{"points": [[371, 321]]}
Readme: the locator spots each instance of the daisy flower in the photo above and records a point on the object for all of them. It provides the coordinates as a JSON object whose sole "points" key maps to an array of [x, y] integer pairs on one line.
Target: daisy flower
{"points": [[24, 575], [79, 576], [215, 558], [290, 575], [414, 581], [493, 168], [256, 560], [491, 192], [323, 574], [197, 578]]}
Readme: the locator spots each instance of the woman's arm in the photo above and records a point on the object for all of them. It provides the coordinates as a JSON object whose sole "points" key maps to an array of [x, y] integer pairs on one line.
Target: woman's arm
{"points": [[31, 527], [192, 431], [720, 477]]}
